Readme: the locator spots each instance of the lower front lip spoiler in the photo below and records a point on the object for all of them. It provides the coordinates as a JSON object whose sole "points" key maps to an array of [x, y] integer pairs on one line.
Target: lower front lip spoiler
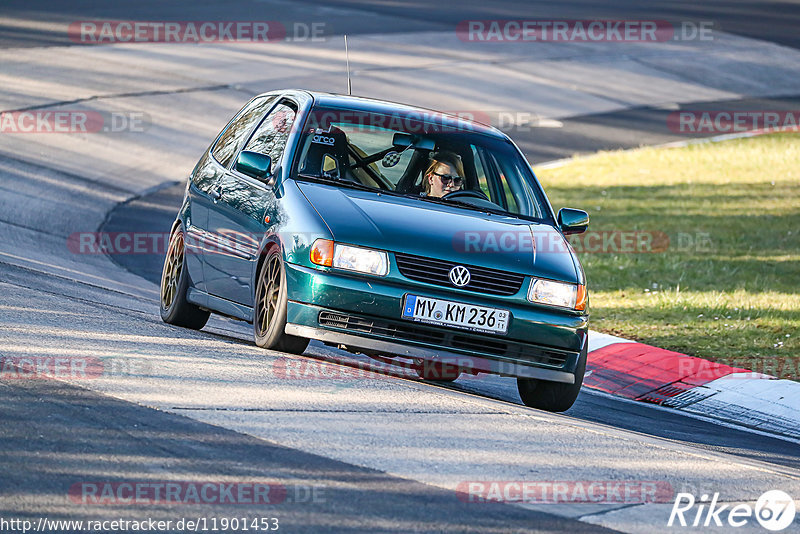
{"points": [[478, 363]]}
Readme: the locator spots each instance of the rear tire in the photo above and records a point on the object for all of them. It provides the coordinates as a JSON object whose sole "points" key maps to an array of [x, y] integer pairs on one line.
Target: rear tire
{"points": [[552, 396], [437, 371], [175, 309], [269, 312]]}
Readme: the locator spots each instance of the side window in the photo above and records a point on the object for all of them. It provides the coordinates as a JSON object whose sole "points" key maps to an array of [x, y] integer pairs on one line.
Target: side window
{"points": [[234, 134], [271, 136], [515, 193]]}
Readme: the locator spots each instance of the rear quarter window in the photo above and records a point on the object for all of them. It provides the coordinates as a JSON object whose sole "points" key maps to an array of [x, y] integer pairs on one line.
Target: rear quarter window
{"points": [[237, 130]]}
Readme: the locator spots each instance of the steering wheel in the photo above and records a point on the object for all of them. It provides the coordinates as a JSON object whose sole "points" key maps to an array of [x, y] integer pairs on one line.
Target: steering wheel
{"points": [[466, 193]]}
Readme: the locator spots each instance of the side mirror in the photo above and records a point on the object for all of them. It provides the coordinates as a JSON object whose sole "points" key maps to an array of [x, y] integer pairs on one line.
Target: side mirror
{"points": [[572, 221], [254, 165]]}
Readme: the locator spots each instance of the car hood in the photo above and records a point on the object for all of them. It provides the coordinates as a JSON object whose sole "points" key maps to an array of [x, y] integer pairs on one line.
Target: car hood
{"points": [[399, 224]]}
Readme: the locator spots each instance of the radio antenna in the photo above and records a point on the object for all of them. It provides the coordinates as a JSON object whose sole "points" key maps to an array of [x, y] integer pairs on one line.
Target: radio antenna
{"points": [[347, 60]]}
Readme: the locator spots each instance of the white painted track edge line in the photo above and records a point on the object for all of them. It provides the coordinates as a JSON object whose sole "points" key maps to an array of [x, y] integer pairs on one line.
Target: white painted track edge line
{"points": [[692, 415]]}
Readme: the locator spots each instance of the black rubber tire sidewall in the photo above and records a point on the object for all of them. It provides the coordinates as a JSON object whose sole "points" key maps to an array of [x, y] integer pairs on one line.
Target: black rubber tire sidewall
{"points": [[435, 372], [182, 312], [276, 338], [552, 396]]}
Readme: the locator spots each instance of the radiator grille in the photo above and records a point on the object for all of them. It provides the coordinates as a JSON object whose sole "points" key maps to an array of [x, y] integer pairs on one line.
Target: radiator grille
{"points": [[482, 280]]}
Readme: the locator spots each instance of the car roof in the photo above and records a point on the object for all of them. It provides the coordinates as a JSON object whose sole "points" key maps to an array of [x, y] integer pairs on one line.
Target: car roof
{"points": [[361, 103]]}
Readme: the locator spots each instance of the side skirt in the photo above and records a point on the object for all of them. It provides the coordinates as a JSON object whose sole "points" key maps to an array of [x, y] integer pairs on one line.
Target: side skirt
{"points": [[220, 305]]}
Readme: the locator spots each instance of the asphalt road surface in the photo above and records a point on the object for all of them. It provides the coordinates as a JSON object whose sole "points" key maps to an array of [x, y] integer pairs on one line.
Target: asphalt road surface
{"points": [[775, 21], [154, 213], [49, 425]]}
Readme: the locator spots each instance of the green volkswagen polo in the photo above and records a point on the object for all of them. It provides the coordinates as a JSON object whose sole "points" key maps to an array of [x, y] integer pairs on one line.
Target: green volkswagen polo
{"points": [[383, 229]]}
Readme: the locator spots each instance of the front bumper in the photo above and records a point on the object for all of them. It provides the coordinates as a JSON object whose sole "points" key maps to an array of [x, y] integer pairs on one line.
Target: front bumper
{"points": [[364, 314]]}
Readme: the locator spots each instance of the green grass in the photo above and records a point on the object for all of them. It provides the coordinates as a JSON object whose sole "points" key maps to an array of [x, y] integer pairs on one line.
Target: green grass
{"points": [[726, 287]]}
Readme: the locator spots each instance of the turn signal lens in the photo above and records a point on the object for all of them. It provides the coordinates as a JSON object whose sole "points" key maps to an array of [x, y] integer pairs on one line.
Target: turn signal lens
{"points": [[322, 252], [581, 298]]}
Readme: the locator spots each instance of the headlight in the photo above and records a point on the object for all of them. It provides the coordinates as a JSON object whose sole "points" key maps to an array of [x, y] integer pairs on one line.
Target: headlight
{"points": [[572, 296], [363, 260], [348, 257]]}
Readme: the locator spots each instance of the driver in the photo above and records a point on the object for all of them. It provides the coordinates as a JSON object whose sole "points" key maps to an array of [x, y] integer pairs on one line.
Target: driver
{"points": [[444, 175]]}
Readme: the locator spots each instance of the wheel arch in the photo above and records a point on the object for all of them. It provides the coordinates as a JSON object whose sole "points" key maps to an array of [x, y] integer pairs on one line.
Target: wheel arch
{"points": [[175, 225], [270, 243]]}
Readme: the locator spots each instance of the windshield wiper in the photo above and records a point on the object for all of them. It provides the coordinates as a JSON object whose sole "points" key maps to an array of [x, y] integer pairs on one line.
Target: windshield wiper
{"points": [[344, 183], [461, 204]]}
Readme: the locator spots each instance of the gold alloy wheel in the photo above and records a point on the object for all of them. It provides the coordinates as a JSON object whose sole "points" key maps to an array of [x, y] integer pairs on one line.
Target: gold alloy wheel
{"points": [[172, 270], [269, 288]]}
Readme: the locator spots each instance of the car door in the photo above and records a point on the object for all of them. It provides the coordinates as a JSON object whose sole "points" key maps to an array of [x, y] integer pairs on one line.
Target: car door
{"points": [[239, 216], [204, 180], [205, 183]]}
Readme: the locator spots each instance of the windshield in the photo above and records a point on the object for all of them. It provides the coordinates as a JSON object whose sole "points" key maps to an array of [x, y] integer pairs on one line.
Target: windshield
{"points": [[432, 158]]}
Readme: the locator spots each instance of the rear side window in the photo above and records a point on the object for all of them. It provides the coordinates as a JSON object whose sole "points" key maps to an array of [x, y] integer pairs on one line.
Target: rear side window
{"points": [[234, 134], [271, 136]]}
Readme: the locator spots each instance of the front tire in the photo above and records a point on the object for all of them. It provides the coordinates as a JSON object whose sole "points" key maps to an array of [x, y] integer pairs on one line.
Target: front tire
{"points": [[269, 314], [552, 396], [175, 309]]}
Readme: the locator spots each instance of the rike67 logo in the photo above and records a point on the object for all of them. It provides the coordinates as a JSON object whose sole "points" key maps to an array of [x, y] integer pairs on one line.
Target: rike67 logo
{"points": [[774, 510]]}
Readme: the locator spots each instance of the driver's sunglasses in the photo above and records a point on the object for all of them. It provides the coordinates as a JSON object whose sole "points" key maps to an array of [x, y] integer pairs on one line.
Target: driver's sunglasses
{"points": [[450, 179]]}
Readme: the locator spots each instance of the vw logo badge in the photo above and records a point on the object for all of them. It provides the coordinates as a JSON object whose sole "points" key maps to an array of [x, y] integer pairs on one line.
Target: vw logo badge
{"points": [[459, 275]]}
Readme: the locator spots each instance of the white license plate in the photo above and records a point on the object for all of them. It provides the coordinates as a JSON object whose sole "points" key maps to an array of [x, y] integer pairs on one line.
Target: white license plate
{"points": [[457, 314]]}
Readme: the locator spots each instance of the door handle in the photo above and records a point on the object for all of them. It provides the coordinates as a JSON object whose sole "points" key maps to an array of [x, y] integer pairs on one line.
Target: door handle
{"points": [[215, 194]]}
